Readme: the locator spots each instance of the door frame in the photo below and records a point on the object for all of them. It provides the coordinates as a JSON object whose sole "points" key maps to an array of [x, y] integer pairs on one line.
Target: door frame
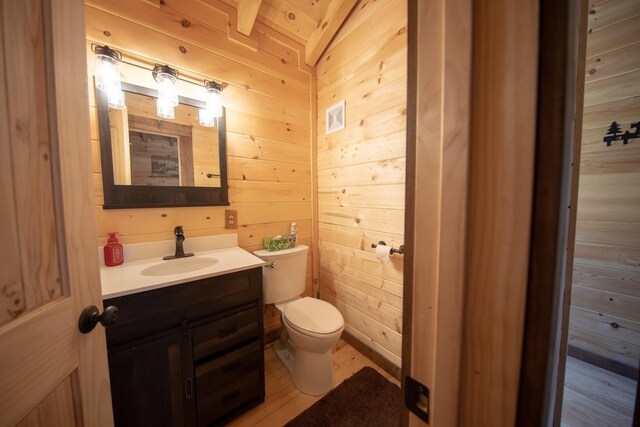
{"points": [[470, 153], [563, 34], [561, 79]]}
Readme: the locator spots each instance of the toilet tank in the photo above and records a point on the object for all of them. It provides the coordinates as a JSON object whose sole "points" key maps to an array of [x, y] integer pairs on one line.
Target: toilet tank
{"points": [[286, 279]]}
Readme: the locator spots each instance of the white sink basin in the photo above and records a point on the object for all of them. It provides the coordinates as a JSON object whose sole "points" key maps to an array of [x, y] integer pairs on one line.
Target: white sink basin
{"points": [[179, 266], [144, 269]]}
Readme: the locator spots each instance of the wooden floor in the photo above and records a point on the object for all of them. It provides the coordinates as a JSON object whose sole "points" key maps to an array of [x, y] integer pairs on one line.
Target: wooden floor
{"points": [[596, 397], [284, 401]]}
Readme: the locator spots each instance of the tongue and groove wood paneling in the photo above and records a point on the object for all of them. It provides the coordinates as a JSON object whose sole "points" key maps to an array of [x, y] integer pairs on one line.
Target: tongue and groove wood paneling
{"points": [[268, 96], [361, 172], [271, 97], [605, 319]]}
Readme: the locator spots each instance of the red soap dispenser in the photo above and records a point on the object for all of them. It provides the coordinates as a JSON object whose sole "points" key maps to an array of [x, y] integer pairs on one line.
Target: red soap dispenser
{"points": [[113, 251]]}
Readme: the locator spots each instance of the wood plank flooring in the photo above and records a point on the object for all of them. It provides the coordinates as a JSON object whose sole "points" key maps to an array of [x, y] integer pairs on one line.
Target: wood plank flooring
{"points": [[596, 397], [284, 401]]}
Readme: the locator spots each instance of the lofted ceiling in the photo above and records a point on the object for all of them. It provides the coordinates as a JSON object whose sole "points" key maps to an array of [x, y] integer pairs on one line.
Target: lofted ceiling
{"points": [[312, 23]]}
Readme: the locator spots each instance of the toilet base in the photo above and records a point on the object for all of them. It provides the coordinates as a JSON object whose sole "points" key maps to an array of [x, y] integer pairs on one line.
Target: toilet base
{"points": [[286, 355], [311, 372]]}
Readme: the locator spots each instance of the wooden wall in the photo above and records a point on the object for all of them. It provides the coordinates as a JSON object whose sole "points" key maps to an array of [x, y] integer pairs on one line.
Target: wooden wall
{"points": [[361, 172], [268, 96], [605, 300]]}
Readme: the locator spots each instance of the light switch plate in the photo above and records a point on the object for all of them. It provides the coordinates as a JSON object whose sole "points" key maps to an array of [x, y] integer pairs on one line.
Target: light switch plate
{"points": [[230, 219]]}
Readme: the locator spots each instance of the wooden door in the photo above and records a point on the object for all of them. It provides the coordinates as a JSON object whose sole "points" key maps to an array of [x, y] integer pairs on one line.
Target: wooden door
{"points": [[503, 128], [50, 373]]}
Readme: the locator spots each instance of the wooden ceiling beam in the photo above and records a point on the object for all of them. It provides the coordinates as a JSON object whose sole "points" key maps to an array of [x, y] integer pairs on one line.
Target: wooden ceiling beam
{"points": [[247, 12], [337, 12]]}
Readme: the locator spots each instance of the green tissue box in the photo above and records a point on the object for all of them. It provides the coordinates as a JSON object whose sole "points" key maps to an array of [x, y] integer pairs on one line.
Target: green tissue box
{"points": [[271, 245]]}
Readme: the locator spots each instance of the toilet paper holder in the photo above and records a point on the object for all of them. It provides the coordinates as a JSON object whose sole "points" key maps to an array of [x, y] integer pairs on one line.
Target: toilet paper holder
{"points": [[392, 251]]}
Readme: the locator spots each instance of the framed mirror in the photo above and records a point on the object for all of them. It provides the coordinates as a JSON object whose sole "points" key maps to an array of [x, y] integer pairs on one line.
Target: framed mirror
{"points": [[148, 161]]}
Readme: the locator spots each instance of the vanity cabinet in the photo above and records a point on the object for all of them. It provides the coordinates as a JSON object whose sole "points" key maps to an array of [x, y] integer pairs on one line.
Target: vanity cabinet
{"points": [[189, 354]]}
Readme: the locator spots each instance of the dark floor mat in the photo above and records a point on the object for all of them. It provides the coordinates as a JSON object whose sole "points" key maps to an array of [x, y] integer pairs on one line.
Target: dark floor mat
{"points": [[364, 399]]}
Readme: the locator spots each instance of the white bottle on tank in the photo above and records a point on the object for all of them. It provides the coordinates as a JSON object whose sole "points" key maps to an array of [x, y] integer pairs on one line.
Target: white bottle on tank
{"points": [[294, 233]]}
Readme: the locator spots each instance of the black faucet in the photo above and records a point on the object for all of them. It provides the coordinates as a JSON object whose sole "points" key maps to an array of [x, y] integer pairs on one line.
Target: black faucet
{"points": [[179, 245]]}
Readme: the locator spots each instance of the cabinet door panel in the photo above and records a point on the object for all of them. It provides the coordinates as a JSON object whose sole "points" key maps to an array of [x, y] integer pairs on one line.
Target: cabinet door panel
{"points": [[149, 383]]}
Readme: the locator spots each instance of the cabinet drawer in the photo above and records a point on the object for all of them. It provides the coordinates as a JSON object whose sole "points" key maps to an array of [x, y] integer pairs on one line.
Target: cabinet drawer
{"points": [[151, 312], [216, 406], [223, 334], [213, 375]]}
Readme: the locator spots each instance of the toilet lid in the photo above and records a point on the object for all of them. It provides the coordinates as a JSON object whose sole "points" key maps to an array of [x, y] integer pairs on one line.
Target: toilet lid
{"points": [[313, 315]]}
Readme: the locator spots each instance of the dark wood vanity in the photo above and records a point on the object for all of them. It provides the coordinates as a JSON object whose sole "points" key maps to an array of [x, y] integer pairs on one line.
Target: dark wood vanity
{"points": [[188, 354]]}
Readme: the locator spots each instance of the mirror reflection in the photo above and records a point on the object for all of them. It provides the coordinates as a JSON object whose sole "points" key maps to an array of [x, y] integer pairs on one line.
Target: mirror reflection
{"points": [[148, 150]]}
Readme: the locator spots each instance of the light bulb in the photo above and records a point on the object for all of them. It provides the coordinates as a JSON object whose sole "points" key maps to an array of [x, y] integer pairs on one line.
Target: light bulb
{"points": [[206, 118], [167, 92], [106, 70], [214, 103], [165, 109], [116, 99], [167, 89], [213, 98]]}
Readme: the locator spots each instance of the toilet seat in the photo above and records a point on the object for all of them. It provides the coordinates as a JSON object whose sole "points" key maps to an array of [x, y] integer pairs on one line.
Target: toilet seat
{"points": [[313, 317]]}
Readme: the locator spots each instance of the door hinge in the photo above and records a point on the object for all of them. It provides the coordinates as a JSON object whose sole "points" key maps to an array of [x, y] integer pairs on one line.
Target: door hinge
{"points": [[416, 398]]}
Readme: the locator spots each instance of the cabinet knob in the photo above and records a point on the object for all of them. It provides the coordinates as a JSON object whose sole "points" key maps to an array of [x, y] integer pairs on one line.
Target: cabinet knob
{"points": [[90, 317]]}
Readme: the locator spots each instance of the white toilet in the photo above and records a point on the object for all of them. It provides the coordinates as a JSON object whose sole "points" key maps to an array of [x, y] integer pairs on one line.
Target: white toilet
{"points": [[311, 327]]}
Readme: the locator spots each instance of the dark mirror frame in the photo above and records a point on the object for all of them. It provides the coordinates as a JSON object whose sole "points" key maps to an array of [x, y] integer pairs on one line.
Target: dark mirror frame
{"points": [[146, 196]]}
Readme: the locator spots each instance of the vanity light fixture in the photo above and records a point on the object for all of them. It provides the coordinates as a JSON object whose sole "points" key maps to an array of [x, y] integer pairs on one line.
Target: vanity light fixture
{"points": [[107, 74], [213, 100], [108, 80], [167, 92]]}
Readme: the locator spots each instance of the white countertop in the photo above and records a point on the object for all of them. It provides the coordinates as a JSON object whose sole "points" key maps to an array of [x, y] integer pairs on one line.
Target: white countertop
{"points": [[127, 279]]}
